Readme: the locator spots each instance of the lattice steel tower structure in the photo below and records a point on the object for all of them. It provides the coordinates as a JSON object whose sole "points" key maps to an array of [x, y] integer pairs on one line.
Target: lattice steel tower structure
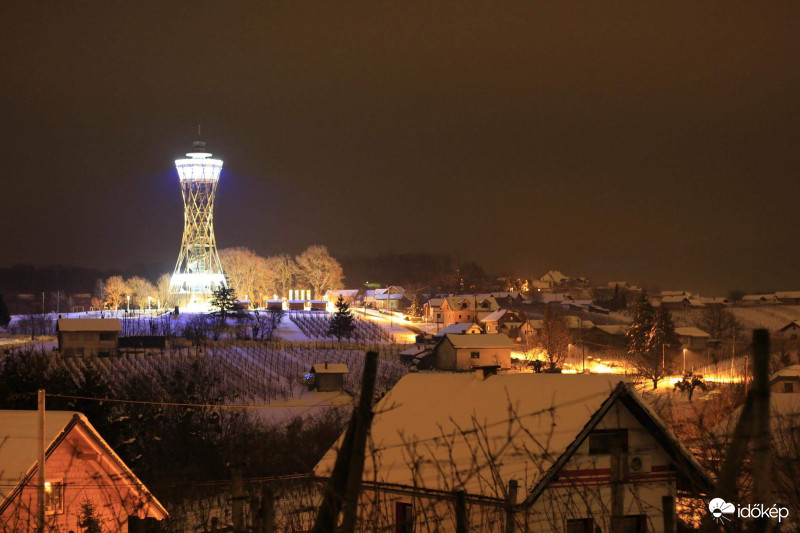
{"points": [[198, 271]]}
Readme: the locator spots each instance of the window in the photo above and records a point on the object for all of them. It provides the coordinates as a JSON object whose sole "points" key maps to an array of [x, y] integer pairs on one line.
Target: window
{"points": [[54, 497], [403, 518], [475, 355], [787, 387], [459, 317], [107, 336], [602, 441], [579, 525], [629, 524]]}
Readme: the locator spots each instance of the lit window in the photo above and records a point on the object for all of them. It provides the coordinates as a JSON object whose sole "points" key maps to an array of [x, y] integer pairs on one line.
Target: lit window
{"points": [[475, 355], [54, 497]]}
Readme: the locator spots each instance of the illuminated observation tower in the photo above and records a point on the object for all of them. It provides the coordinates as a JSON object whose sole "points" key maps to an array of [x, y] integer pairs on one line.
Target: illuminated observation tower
{"points": [[198, 271]]}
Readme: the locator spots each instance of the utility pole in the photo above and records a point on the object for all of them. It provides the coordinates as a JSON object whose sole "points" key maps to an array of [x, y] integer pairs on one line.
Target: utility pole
{"points": [[40, 465], [511, 504]]}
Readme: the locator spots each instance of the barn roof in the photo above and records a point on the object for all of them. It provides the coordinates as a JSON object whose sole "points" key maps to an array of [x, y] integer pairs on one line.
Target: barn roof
{"points": [[459, 328], [89, 324]]}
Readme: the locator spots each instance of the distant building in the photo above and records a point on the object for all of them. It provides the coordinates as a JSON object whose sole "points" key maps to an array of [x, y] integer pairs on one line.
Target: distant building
{"points": [[432, 310], [692, 338], [675, 302], [274, 305], [88, 336], [464, 352], [329, 376], [758, 299], [788, 297], [349, 296], [467, 308], [79, 465], [786, 379], [504, 321]]}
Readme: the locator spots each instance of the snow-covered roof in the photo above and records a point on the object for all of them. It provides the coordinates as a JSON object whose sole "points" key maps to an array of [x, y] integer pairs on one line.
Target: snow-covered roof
{"points": [[714, 300], [613, 329], [451, 417], [572, 322], [675, 293], [495, 315], [394, 289], [473, 302], [89, 324], [460, 328], [329, 368], [792, 371], [18, 454], [691, 331], [758, 297], [788, 294], [392, 296], [345, 293], [554, 275], [484, 340], [788, 325]]}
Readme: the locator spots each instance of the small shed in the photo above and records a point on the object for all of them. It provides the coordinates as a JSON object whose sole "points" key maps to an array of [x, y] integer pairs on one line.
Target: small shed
{"points": [[297, 305], [274, 305], [329, 376], [88, 336], [317, 305]]}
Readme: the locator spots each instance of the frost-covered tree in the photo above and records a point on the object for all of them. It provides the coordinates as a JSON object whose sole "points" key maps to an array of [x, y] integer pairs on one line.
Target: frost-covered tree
{"points": [[416, 306], [248, 273], [319, 269], [281, 273], [115, 291], [651, 341], [223, 300], [141, 292], [163, 294], [342, 323]]}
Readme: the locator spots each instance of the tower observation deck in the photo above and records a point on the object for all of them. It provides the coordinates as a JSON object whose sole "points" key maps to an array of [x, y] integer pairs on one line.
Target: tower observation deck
{"points": [[198, 270]]}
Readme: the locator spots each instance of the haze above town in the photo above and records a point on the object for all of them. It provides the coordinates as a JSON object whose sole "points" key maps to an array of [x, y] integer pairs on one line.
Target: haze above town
{"points": [[657, 145]]}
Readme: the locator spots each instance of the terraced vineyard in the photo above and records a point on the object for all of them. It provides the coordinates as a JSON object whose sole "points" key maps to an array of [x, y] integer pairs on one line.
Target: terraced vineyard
{"points": [[314, 325], [257, 374]]}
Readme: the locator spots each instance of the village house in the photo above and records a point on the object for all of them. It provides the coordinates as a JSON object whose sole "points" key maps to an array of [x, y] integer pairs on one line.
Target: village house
{"points": [[576, 327], [79, 465], [349, 296], [504, 321], [391, 301], [432, 310], [786, 379], [465, 308], [676, 302], [464, 352], [788, 297], [370, 295], [693, 339], [545, 452], [715, 301], [88, 336], [758, 299]]}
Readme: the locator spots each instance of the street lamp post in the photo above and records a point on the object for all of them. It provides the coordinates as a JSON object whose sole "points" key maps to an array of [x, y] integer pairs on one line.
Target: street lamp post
{"points": [[129, 303], [684, 361]]}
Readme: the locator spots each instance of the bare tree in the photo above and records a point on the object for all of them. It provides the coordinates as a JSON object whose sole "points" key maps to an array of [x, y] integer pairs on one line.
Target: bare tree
{"points": [[283, 272], [163, 294], [718, 322], [554, 338], [319, 269], [247, 272]]}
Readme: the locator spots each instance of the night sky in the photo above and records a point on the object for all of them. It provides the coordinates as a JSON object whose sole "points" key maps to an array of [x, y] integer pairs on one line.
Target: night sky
{"points": [[657, 143]]}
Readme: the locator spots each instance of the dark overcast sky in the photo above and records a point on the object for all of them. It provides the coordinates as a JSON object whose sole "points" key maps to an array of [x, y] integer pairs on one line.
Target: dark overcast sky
{"points": [[642, 141]]}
